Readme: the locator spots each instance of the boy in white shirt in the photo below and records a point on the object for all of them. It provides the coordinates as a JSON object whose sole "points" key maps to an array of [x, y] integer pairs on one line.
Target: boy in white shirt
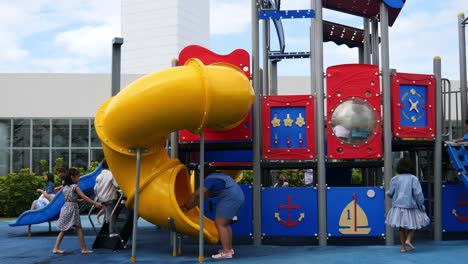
{"points": [[106, 194]]}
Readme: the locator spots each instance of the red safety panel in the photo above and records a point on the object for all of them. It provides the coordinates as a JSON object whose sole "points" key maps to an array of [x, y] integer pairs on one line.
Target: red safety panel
{"points": [[354, 112], [239, 58], [413, 110], [288, 127]]}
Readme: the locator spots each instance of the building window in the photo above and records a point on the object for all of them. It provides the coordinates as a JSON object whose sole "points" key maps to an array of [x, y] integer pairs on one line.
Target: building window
{"points": [[25, 142], [38, 155], [4, 162], [41, 133], [60, 133], [80, 133], [96, 155], [61, 153], [79, 158], [95, 142], [21, 133], [21, 159], [5, 131]]}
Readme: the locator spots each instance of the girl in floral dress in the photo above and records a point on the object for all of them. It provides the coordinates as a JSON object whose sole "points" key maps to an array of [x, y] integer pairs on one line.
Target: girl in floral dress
{"points": [[70, 212]]}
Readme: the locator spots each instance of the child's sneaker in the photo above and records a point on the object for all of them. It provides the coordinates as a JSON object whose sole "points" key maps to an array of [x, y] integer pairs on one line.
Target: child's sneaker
{"points": [[231, 252], [222, 255]]}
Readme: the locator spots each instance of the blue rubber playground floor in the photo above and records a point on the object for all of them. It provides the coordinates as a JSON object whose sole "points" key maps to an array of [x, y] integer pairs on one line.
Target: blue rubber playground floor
{"points": [[153, 247]]}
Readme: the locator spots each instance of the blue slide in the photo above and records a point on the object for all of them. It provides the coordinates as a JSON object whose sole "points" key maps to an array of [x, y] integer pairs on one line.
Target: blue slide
{"points": [[458, 153], [52, 210]]}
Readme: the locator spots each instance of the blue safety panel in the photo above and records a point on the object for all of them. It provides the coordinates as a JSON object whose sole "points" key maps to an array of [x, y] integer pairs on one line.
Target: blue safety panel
{"points": [[288, 134], [228, 156], [355, 211], [289, 211], [394, 3], [413, 111], [284, 14], [454, 208], [243, 226]]}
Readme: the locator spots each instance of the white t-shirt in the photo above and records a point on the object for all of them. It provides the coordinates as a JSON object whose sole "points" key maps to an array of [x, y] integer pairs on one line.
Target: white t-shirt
{"points": [[106, 187]]}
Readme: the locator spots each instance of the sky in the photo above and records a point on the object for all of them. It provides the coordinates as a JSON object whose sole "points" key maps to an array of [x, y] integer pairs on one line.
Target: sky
{"points": [[74, 36]]}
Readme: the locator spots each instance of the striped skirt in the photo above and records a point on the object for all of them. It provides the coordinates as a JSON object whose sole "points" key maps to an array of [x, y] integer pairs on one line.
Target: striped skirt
{"points": [[409, 218]]}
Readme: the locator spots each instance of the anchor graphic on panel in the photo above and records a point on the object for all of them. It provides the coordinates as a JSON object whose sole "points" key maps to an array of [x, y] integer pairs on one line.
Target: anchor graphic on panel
{"points": [[353, 220], [461, 203], [289, 207]]}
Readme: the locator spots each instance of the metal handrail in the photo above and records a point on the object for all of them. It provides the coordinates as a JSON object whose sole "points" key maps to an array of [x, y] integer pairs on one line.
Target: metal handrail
{"points": [[91, 220], [119, 200]]}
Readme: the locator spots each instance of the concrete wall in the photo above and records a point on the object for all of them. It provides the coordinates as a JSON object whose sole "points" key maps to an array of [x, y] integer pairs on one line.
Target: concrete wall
{"points": [[155, 31], [43, 95], [54, 95]]}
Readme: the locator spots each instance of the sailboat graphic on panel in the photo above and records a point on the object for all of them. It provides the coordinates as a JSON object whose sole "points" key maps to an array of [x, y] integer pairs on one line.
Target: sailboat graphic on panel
{"points": [[353, 220]]}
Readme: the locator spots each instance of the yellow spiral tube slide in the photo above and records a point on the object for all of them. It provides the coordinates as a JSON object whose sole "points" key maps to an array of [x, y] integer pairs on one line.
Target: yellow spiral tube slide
{"points": [[142, 115]]}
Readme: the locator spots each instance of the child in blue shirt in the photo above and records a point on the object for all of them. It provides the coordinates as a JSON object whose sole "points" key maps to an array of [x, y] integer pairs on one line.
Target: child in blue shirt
{"points": [[230, 200]]}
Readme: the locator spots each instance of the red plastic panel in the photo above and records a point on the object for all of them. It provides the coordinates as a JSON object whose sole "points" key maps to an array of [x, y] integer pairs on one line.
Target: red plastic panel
{"points": [[354, 103], [413, 105], [239, 58], [242, 132], [288, 127]]}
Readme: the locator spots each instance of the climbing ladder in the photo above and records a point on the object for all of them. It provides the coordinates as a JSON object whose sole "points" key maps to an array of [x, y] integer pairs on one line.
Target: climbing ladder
{"points": [[458, 154], [124, 225]]}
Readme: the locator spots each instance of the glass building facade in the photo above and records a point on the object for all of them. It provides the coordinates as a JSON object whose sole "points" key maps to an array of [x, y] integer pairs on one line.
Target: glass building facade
{"points": [[25, 142]]}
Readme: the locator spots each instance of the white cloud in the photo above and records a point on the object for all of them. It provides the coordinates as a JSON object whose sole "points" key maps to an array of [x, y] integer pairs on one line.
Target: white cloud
{"points": [[91, 42], [229, 17], [423, 33], [29, 30], [75, 35]]}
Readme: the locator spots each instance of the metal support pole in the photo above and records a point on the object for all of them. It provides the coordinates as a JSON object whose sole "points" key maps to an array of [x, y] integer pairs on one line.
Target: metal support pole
{"points": [[257, 111], [174, 139], [375, 41], [116, 58], [387, 115], [462, 56], [274, 78], [266, 50], [317, 72], [367, 42], [135, 202], [201, 204], [360, 55], [438, 152]]}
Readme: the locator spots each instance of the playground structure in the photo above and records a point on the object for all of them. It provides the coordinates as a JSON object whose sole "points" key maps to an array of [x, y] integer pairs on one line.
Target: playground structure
{"points": [[212, 91], [288, 132]]}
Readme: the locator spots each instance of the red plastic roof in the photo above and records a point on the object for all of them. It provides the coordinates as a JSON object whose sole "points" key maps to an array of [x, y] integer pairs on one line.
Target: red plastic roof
{"points": [[362, 8]]}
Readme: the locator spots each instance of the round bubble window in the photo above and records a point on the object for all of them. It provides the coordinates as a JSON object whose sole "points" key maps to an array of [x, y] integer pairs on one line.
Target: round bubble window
{"points": [[353, 122]]}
